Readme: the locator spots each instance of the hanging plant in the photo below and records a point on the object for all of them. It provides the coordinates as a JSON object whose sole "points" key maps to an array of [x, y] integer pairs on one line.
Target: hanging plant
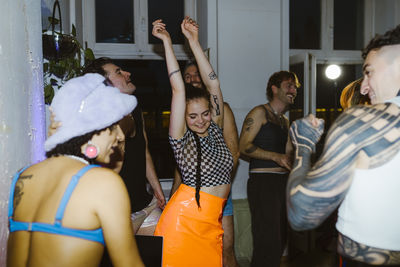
{"points": [[64, 56]]}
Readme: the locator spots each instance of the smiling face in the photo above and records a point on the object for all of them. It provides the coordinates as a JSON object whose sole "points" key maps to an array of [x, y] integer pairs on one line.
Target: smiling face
{"points": [[120, 79], [192, 76], [381, 74], [286, 93], [106, 141], [198, 116]]}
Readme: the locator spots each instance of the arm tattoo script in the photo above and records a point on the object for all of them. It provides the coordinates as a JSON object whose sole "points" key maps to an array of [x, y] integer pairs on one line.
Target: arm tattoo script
{"points": [[359, 252], [217, 110], [361, 136], [173, 72], [212, 75], [19, 186]]}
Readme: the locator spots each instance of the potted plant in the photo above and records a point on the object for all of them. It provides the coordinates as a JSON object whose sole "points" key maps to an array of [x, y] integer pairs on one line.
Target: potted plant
{"points": [[64, 56]]}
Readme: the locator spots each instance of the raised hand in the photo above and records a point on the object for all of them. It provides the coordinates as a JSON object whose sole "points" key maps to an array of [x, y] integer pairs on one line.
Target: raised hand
{"points": [[160, 31], [190, 29], [307, 131]]}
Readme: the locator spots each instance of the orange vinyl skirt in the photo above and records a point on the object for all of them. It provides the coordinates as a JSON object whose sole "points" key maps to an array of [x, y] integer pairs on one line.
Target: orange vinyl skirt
{"points": [[192, 236]]}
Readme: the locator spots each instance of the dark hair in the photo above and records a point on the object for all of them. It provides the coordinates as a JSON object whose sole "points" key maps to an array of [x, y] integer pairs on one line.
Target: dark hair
{"points": [[192, 93], [73, 145], [198, 168], [277, 78], [96, 66], [391, 37], [352, 96], [190, 62]]}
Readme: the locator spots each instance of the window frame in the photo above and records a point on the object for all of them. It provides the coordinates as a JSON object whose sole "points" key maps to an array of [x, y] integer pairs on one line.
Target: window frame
{"points": [[327, 53], [141, 49]]}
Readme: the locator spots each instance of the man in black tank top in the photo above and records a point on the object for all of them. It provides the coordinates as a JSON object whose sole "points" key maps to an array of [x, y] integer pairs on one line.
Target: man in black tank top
{"points": [[264, 140], [138, 164]]}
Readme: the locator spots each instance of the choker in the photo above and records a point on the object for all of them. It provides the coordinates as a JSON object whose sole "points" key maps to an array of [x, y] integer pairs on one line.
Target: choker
{"points": [[273, 110], [279, 117], [78, 158]]}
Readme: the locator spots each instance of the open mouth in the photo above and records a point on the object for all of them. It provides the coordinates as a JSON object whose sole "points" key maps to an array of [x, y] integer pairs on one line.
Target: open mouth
{"points": [[291, 97]]}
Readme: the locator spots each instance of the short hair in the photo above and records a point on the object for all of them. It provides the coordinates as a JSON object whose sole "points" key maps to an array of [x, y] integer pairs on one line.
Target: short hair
{"points": [[391, 37], [96, 66], [277, 78], [73, 145], [193, 93], [352, 96]]}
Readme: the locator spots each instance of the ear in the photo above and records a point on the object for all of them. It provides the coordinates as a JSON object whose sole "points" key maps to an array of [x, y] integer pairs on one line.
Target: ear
{"points": [[274, 89]]}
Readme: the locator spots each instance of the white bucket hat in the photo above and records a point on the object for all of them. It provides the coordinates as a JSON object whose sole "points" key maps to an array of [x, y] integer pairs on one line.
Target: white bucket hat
{"points": [[85, 104]]}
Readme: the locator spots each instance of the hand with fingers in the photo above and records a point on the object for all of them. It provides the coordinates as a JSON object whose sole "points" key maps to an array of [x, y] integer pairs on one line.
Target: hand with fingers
{"points": [[190, 29], [160, 31], [54, 125]]}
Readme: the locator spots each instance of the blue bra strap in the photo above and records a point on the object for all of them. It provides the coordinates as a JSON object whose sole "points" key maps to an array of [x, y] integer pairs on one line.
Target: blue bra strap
{"points": [[12, 188], [67, 194]]}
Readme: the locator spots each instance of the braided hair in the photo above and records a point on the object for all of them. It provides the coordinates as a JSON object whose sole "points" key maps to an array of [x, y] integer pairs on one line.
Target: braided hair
{"points": [[198, 167], [193, 93]]}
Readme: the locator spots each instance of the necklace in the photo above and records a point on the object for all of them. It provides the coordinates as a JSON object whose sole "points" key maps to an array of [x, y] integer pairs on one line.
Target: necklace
{"points": [[279, 117], [77, 158]]}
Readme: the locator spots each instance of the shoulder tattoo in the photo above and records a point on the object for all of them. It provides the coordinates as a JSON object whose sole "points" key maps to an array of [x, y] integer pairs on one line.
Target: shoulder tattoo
{"points": [[248, 123], [19, 186]]}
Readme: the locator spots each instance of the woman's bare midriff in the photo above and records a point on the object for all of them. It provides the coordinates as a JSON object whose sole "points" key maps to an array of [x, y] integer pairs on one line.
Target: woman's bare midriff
{"points": [[273, 170], [221, 191]]}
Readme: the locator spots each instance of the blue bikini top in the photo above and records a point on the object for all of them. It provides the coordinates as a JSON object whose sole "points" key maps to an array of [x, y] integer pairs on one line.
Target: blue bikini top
{"points": [[56, 228]]}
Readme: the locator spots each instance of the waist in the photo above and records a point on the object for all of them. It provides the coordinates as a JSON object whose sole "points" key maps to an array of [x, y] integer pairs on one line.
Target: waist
{"points": [[221, 191], [279, 170]]}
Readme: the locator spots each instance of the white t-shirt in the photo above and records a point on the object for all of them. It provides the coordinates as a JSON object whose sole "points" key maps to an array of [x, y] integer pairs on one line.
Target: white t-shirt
{"points": [[370, 212]]}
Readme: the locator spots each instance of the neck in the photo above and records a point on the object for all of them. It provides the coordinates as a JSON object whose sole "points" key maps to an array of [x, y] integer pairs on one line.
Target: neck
{"points": [[278, 107], [78, 158]]}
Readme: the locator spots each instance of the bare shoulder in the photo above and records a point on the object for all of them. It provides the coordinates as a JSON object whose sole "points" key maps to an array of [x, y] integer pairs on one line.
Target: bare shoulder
{"points": [[104, 180], [373, 131]]}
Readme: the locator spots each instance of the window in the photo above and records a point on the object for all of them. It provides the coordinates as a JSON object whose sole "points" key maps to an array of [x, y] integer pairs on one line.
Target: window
{"points": [[329, 32], [122, 29]]}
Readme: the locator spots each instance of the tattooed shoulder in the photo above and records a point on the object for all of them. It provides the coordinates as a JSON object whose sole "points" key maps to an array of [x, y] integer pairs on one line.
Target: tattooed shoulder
{"points": [[19, 189], [248, 122]]}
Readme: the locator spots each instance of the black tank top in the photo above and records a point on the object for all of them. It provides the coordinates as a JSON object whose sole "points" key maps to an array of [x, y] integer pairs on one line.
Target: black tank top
{"points": [[133, 170], [271, 137]]}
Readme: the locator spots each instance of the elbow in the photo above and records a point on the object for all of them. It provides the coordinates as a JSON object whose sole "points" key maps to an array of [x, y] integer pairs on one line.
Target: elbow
{"points": [[301, 221]]}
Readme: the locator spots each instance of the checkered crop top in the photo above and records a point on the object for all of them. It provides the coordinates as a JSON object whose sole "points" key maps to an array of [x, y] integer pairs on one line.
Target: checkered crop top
{"points": [[216, 159]]}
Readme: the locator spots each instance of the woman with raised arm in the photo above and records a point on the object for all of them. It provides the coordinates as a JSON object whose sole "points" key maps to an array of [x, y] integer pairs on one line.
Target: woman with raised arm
{"points": [[64, 210], [191, 221]]}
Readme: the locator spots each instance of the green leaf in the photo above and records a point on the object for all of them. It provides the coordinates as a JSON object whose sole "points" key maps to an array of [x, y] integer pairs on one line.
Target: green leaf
{"points": [[48, 94], [53, 20], [73, 32], [89, 56]]}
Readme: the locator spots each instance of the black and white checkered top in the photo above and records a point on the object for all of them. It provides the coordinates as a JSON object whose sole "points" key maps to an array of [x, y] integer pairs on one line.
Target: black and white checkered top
{"points": [[216, 159]]}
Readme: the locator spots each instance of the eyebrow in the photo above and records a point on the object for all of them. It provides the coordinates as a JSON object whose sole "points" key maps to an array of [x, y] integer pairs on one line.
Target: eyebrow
{"points": [[365, 66], [117, 70]]}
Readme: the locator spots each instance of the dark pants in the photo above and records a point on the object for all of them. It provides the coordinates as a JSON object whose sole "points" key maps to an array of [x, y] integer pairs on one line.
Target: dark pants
{"points": [[266, 193]]}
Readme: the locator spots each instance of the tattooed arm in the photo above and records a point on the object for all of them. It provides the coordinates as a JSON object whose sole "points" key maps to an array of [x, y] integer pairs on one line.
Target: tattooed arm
{"points": [[251, 126], [190, 30], [362, 138]]}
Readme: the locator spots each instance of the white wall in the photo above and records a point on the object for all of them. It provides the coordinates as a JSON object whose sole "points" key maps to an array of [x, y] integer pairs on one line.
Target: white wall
{"points": [[249, 51], [387, 15], [21, 97]]}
